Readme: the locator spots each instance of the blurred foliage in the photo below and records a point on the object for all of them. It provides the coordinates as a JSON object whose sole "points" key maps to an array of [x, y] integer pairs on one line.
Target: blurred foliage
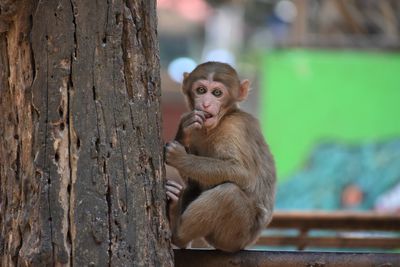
{"points": [[374, 168]]}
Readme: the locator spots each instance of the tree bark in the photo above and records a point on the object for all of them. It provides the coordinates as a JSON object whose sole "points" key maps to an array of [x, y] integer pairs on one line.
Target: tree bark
{"points": [[81, 164]]}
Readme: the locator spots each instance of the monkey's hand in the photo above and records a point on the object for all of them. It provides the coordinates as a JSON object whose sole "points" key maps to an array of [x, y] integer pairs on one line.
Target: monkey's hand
{"points": [[174, 152], [174, 191], [190, 122]]}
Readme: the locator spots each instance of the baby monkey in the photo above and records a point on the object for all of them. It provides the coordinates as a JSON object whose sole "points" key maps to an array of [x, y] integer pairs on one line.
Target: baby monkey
{"points": [[228, 171]]}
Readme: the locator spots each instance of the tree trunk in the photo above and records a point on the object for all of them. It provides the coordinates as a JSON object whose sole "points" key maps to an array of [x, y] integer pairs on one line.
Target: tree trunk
{"points": [[81, 165]]}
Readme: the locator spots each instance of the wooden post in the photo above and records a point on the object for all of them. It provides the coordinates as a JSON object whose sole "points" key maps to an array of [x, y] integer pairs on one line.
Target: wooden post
{"points": [[81, 164]]}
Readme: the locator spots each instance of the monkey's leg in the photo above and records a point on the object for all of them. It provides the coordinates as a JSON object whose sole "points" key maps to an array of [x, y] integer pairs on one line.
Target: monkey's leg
{"points": [[223, 215]]}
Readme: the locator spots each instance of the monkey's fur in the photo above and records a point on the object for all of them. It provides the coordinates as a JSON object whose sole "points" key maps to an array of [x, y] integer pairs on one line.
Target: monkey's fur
{"points": [[229, 172]]}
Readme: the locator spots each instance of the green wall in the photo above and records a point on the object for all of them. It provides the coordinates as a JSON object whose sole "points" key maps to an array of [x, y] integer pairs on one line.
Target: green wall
{"points": [[309, 97]]}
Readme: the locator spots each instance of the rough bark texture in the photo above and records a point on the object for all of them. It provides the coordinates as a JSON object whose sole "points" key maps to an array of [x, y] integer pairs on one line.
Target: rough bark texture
{"points": [[81, 165]]}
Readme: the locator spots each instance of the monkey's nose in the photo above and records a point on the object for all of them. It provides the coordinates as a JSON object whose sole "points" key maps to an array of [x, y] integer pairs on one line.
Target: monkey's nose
{"points": [[206, 104]]}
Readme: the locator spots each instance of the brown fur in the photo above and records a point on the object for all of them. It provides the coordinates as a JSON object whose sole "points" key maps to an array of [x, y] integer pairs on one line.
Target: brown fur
{"points": [[229, 172]]}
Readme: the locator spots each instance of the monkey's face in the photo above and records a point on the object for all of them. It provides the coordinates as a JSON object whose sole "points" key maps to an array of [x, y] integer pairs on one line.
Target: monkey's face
{"points": [[210, 97]]}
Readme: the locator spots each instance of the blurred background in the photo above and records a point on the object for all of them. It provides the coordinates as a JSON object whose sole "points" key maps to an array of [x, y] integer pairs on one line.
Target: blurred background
{"points": [[325, 86]]}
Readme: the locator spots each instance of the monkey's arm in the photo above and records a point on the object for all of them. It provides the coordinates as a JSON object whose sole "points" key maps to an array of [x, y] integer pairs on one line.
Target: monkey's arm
{"points": [[212, 171], [209, 171]]}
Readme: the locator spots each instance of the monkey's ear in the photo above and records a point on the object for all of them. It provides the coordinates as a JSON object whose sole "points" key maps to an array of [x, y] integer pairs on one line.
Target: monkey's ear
{"points": [[184, 89], [185, 76], [243, 90]]}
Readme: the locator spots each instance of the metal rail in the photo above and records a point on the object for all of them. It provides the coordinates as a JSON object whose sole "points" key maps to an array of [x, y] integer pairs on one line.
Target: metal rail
{"points": [[213, 258]]}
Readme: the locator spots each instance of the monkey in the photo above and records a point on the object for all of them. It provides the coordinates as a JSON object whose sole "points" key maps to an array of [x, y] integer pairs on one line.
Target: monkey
{"points": [[228, 192]]}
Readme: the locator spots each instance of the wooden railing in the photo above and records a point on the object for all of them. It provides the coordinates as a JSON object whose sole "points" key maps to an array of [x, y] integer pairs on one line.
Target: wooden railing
{"points": [[335, 230]]}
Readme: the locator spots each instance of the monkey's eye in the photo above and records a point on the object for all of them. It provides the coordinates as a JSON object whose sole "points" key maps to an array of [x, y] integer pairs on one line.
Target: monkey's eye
{"points": [[217, 92], [201, 90]]}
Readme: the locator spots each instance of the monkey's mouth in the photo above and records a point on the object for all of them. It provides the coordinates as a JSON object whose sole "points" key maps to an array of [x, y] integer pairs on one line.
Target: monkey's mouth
{"points": [[207, 115]]}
